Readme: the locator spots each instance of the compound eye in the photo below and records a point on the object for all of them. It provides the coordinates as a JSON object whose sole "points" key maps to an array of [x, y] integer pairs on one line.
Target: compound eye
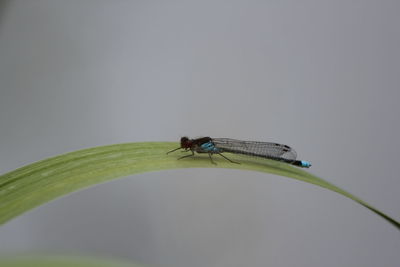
{"points": [[185, 142]]}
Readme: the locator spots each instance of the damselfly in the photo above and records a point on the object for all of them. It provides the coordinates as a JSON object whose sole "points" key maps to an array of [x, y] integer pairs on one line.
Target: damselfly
{"points": [[218, 146]]}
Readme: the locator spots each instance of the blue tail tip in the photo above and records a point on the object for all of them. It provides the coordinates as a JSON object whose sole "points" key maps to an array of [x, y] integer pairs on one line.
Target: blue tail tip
{"points": [[305, 164]]}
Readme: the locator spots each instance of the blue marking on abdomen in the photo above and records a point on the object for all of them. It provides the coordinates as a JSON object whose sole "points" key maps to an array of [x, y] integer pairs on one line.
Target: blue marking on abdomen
{"points": [[306, 164], [209, 147]]}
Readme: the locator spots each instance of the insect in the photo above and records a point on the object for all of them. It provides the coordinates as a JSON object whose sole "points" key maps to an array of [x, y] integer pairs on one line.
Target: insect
{"points": [[218, 146]]}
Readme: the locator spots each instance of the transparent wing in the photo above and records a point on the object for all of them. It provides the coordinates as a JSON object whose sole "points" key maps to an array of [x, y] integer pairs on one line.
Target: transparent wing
{"points": [[254, 148]]}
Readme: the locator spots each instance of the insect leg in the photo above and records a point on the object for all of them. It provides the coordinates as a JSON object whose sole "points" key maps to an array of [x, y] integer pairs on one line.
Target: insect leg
{"points": [[228, 158], [191, 155], [209, 154]]}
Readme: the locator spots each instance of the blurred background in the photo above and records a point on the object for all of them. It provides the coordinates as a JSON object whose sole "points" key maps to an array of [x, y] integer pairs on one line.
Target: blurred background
{"points": [[320, 76]]}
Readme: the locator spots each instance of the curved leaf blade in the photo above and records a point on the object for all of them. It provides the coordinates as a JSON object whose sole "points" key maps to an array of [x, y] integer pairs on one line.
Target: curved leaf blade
{"points": [[47, 260], [40, 182]]}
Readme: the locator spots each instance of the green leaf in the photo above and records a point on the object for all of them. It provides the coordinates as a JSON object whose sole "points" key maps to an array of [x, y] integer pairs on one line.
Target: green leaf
{"points": [[40, 182], [43, 260]]}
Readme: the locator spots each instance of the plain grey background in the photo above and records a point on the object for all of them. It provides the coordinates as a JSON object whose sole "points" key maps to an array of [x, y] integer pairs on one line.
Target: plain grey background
{"points": [[321, 76]]}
